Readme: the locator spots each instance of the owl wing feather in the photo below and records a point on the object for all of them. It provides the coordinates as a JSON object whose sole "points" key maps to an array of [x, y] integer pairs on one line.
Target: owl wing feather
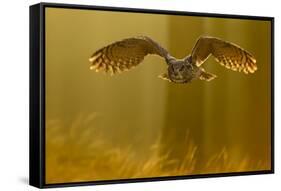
{"points": [[125, 54], [227, 54]]}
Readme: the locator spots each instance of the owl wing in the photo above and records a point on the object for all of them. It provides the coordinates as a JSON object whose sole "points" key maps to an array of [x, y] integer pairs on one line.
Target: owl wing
{"points": [[125, 54], [227, 54]]}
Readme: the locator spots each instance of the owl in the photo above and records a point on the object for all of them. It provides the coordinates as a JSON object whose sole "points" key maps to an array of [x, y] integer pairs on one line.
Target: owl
{"points": [[128, 53]]}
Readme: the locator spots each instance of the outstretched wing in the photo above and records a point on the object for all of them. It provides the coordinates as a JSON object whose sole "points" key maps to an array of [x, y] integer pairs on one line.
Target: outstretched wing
{"points": [[126, 54], [227, 54]]}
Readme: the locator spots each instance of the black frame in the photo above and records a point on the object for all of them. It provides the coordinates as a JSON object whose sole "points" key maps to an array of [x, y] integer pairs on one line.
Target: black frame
{"points": [[37, 94]]}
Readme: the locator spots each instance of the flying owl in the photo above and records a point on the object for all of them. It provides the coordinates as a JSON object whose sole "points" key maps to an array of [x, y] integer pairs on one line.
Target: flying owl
{"points": [[126, 54]]}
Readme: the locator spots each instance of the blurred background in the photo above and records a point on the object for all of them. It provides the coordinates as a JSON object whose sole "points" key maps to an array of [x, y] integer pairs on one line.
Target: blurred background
{"points": [[136, 125]]}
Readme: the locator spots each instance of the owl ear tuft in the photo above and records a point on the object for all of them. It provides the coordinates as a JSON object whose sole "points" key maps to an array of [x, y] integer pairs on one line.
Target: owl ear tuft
{"points": [[164, 76]]}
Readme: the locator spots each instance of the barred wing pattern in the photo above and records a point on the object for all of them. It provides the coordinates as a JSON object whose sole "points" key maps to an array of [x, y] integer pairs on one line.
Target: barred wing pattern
{"points": [[227, 54], [124, 55]]}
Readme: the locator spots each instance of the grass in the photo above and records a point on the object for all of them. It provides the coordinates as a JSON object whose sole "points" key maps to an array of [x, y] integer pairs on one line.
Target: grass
{"points": [[79, 152]]}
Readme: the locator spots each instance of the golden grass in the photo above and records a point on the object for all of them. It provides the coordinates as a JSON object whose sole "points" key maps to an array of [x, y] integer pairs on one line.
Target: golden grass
{"points": [[79, 152]]}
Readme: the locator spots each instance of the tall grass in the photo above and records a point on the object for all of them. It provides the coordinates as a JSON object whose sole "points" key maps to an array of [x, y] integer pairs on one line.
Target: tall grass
{"points": [[80, 152]]}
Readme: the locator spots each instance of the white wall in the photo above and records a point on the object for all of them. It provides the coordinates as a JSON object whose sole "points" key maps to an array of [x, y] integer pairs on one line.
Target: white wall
{"points": [[14, 52]]}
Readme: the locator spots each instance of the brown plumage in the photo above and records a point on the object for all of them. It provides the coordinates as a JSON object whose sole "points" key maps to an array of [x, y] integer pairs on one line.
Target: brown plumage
{"points": [[128, 53]]}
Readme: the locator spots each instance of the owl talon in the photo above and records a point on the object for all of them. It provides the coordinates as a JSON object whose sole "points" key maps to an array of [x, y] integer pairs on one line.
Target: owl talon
{"points": [[165, 76]]}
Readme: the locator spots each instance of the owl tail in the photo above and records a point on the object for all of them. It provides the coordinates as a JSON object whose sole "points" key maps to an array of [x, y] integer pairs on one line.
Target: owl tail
{"points": [[206, 75]]}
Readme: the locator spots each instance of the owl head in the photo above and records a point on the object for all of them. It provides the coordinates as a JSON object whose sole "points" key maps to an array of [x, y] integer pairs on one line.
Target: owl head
{"points": [[180, 72]]}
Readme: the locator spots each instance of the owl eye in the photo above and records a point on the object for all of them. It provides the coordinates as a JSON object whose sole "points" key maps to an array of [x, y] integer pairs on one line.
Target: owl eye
{"points": [[181, 68], [173, 68]]}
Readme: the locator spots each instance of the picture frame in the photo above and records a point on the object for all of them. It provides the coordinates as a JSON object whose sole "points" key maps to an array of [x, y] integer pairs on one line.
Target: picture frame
{"points": [[38, 142]]}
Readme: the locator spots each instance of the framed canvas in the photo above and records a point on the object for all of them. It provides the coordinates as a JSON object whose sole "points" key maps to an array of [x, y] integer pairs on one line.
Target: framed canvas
{"points": [[123, 95]]}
